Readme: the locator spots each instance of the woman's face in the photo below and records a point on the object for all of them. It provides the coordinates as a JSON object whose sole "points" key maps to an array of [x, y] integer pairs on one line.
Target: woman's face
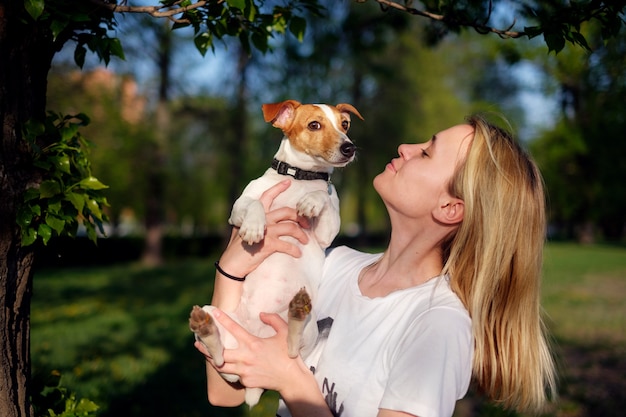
{"points": [[416, 182]]}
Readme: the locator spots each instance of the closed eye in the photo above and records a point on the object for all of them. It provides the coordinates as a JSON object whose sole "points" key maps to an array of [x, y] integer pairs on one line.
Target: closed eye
{"points": [[425, 154]]}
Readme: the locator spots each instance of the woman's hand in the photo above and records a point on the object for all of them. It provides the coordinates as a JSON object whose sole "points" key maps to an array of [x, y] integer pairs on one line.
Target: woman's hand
{"points": [[259, 362], [240, 259]]}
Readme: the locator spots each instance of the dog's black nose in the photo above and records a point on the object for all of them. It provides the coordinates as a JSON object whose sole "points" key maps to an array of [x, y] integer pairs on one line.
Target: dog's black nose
{"points": [[347, 149]]}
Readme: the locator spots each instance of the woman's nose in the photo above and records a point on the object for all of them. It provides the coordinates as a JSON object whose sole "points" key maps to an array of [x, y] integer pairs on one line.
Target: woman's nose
{"points": [[406, 150]]}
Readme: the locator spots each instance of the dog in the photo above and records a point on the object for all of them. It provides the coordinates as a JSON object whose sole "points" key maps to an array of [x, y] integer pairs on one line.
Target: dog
{"points": [[315, 142]]}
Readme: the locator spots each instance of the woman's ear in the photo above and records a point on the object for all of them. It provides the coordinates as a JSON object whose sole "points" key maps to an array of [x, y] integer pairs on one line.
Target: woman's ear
{"points": [[450, 211]]}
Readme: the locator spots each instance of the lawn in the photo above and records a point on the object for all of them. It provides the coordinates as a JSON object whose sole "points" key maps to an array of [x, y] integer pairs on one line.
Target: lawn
{"points": [[119, 334]]}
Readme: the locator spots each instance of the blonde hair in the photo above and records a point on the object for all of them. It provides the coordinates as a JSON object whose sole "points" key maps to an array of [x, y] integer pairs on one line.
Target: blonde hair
{"points": [[494, 260]]}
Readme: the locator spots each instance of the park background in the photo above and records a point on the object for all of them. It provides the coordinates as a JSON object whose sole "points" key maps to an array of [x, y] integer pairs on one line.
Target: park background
{"points": [[176, 136]]}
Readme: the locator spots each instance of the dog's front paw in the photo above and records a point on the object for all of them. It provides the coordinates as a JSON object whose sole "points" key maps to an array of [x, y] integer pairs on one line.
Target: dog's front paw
{"points": [[312, 204], [252, 229]]}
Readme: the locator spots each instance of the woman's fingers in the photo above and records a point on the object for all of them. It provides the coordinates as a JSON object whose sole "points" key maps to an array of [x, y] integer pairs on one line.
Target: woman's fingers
{"points": [[202, 349], [268, 196], [275, 321], [231, 325]]}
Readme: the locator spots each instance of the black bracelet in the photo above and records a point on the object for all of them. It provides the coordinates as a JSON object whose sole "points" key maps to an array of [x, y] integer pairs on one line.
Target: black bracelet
{"points": [[221, 271]]}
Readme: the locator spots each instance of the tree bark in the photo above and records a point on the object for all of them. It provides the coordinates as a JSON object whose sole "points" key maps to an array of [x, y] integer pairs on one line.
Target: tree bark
{"points": [[26, 52]]}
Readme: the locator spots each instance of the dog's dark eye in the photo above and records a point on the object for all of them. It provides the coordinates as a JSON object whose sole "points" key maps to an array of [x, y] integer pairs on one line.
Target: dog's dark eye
{"points": [[315, 126], [345, 124]]}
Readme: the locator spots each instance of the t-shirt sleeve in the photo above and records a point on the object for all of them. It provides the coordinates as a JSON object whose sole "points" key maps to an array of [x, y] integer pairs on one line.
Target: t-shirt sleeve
{"points": [[431, 367]]}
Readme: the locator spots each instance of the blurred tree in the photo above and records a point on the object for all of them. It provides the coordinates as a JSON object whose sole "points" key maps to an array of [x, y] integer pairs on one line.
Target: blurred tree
{"points": [[119, 130], [584, 157]]}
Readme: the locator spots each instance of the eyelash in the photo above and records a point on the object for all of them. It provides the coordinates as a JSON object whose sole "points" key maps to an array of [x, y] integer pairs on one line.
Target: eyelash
{"points": [[424, 153]]}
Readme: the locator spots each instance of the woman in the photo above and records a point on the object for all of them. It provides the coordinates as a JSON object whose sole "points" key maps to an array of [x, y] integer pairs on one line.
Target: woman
{"points": [[467, 231]]}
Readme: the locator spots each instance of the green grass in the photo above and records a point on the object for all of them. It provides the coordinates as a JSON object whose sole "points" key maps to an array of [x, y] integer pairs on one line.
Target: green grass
{"points": [[584, 293], [119, 334]]}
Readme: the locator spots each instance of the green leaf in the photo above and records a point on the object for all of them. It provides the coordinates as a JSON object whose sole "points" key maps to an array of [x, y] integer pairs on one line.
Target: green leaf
{"points": [[85, 407], [32, 129], [79, 55], [45, 232], [68, 132], [92, 183], [239, 4], [28, 236], [116, 48], [297, 26], [259, 42], [58, 26], [580, 40], [77, 200], [56, 206], [49, 188], [555, 42], [94, 208], [31, 194], [91, 231], [62, 162], [55, 223], [34, 8], [203, 41], [24, 217]]}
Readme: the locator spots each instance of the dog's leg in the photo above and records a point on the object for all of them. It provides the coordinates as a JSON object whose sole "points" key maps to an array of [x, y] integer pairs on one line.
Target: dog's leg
{"points": [[299, 309], [252, 396], [249, 215], [202, 324], [312, 204]]}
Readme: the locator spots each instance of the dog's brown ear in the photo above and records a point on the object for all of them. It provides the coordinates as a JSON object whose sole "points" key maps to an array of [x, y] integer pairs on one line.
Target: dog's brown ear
{"points": [[280, 114], [345, 107]]}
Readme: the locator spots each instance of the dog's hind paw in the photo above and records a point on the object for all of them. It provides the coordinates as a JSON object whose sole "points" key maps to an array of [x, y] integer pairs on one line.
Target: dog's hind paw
{"points": [[201, 323], [299, 308], [300, 305], [206, 331]]}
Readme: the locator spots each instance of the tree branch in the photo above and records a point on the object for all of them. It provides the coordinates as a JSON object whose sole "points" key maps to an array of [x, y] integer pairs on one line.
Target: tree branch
{"points": [[167, 11], [480, 28]]}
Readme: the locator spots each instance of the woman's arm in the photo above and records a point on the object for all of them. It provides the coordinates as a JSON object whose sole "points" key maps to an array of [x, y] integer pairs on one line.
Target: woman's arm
{"points": [[264, 363]]}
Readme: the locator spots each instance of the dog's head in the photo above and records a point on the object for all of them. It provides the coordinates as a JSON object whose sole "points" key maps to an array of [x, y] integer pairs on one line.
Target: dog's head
{"points": [[319, 130]]}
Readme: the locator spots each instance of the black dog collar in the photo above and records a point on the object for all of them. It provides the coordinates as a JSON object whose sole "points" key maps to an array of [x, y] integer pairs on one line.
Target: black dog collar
{"points": [[284, 168]]}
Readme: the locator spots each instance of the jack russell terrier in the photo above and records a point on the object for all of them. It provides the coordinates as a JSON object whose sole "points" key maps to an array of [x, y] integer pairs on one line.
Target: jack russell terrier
{"points": [[315, 142]]}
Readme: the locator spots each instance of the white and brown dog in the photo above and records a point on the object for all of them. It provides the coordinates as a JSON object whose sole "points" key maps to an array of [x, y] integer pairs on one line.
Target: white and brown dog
{"points": [[315, 142]]}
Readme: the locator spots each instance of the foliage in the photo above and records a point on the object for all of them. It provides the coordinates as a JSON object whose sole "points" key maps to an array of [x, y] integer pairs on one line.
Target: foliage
{"points": [[53, 400], [244, 20], [558, 21], [68, 193], [561, 21], [583, 157], [77, 21]]}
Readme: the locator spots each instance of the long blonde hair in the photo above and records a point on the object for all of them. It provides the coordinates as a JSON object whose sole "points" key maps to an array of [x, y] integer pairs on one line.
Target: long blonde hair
{"points": [[494, 260]]}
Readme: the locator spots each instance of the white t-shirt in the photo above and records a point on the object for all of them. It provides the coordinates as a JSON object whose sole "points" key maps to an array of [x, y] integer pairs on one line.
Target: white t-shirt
{"points": [[409, 351]]}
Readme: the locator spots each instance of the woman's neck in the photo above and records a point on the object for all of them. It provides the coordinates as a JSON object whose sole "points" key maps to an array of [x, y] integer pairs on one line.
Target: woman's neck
{"points": [[406, 263]]}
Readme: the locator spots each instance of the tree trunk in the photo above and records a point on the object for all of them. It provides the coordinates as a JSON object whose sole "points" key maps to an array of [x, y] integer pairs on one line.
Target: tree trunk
{"points": [[155, 200], [26, 52]]}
